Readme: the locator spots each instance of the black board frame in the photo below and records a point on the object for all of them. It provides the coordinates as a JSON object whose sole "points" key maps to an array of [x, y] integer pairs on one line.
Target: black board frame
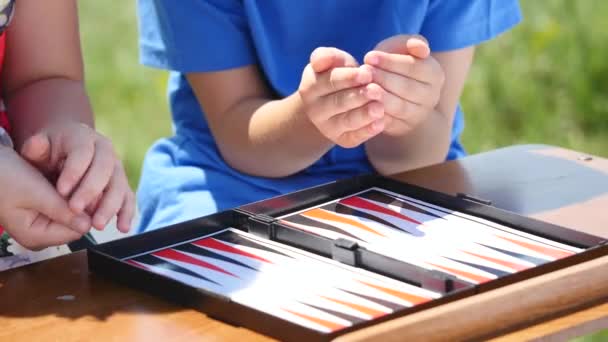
{"points": [[259, 218]]}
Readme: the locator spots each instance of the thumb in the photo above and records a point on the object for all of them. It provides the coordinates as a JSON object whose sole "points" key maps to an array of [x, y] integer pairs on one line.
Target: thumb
{"points": [[37, 150], [404, 44]]}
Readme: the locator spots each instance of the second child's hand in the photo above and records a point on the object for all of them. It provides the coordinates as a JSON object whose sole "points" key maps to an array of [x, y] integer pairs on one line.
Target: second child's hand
{"points": [[31, 210], [340, 99], [88, 172], [403, 66]]}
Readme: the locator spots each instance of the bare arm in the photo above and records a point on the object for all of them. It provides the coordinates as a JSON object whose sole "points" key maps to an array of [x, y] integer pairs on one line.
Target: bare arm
{"points": [[43, 62], [263, 136], [429, 142], [255, 133]]}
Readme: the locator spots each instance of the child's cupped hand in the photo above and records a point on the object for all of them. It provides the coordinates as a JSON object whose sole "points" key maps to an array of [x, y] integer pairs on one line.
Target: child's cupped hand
{"points": [[411, 78], [340, 99], [88, 173]]}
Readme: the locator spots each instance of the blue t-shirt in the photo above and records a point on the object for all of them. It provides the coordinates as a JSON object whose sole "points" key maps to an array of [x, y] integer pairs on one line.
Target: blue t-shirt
{"points": [[185, 176]]}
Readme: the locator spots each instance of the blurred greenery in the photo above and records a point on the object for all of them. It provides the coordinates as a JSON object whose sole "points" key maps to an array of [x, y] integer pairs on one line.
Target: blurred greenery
{"points": [[543, 82], [601, 336], [546, 81], [129, 100]]}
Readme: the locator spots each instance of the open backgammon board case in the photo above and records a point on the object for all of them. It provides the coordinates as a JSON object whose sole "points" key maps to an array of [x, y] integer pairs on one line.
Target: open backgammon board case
{"points": [[325, 261]]}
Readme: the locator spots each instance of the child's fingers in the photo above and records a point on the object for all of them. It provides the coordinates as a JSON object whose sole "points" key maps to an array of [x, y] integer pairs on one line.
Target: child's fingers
{"points": [[344, 101], [37, 150], [324, 58], [48, 202], [339, 79], [126, 213], [356, 118], [401, 108], [357, 137], [52, 233], [92, 207], [77, 162], [404, 87], [423, 70], [404, 44], [404, 110], [342, 78], [96, 178], [44, 232], [418, 46], [32, 193], [112, 199]]}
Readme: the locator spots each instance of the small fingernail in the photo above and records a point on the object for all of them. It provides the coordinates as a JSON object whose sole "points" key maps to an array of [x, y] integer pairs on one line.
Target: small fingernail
{"points": [[124, 228], [81, 222]]}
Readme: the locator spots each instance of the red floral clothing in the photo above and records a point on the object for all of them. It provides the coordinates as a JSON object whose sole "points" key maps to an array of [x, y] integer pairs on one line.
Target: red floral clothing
{"points": [[5, 14], [3, 118]]}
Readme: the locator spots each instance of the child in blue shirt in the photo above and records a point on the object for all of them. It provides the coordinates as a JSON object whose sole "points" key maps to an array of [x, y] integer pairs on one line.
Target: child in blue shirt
{"points": [[269, 97]]}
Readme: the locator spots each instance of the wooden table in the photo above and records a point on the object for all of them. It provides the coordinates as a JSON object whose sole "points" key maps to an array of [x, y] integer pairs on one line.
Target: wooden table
{"points": [[59, 300]]}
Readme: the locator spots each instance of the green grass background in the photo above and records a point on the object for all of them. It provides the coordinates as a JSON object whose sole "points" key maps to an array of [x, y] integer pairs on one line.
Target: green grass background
{"points": [[546, 81]]}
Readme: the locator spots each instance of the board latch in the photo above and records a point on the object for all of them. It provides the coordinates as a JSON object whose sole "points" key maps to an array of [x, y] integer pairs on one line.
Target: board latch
{"points": [[345, 251]]}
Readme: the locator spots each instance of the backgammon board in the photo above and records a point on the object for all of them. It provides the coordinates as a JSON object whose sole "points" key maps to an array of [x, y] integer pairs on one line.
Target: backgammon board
{"points": [[326, 261]]}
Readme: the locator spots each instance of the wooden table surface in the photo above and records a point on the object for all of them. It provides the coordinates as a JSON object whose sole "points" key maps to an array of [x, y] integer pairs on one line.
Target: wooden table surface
{"points": [[60, 300]]}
